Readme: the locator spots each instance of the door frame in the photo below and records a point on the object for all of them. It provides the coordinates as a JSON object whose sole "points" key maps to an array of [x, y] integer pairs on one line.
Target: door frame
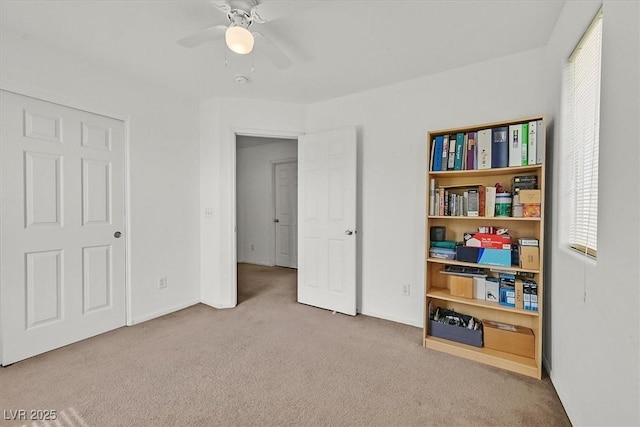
{"points": [[233, 242], [57, 98], [274, 231]]}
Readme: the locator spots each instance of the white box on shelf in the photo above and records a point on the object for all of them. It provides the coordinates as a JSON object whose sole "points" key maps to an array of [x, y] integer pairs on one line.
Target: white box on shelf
{"points": [[479, 288], [492, 289]]}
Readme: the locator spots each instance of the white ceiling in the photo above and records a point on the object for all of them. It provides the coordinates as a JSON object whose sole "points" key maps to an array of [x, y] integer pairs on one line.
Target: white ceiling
{"points": [[337, 47]]}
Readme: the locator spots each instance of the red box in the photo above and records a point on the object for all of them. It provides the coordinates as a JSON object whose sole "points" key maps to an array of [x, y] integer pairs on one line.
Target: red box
{"points": [[490, 241]]}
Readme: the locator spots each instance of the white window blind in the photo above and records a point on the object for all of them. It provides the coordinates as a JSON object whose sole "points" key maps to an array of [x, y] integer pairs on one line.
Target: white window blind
{"points": [[584, 128]]}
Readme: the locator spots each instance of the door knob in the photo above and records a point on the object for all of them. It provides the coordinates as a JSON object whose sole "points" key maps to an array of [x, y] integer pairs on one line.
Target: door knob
{"points": [[117, 234], [276, 220], [349, 232]]}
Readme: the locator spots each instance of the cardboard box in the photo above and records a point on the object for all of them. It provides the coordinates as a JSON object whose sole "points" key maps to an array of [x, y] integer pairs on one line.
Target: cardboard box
{"points": [[492, 289], [500, 257], [509, 338], [461, 286], [529, 197], [491, 241], [520, 294], [529, 257], [479, 288]]}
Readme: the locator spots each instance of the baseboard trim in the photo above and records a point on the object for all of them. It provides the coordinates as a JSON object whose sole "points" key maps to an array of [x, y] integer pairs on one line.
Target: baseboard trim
{"points": [[562, 395], [215, 304], [545, 364], [404, 321], [265, 264], [160, 313]]}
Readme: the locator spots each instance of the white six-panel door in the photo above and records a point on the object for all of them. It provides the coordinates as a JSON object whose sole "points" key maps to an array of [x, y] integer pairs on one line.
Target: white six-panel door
{"points": [[327, 220], [286, 221], [62, 193]]}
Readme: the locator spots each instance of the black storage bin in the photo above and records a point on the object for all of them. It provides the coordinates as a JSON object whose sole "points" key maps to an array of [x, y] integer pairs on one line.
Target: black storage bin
{"points": [[456, 333]]}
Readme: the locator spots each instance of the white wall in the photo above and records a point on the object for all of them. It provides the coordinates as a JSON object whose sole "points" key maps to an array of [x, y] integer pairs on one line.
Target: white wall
{"points": [[163, 157], [392, 127], [592, 344], [220, 120], [255, 199]]}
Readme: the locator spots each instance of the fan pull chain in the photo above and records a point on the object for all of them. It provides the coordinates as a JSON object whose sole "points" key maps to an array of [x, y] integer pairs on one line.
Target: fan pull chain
{"points": [[225, 56], [253, 59]]}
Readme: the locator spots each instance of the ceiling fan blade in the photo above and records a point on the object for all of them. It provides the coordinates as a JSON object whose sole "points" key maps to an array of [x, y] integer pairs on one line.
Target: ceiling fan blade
{"points": [[272, 52], [222, 5], [203, 36], [272, 10]]}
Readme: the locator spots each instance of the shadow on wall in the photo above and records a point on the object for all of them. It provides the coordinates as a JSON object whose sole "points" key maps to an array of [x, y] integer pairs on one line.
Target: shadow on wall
{"points": [[359, 248], [548, 234]]}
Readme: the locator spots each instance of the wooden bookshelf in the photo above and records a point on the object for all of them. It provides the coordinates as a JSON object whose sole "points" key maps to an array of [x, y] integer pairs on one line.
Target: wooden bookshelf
{"points": [[437, 292]]}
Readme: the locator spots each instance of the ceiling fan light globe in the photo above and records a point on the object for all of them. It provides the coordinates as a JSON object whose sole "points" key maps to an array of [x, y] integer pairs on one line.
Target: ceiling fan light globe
{"points": [[239, 39]]}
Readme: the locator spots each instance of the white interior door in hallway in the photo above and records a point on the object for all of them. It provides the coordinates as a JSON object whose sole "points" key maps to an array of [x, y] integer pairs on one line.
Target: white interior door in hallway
{"points": [[63, 211], [286, 221], [327, 224]]}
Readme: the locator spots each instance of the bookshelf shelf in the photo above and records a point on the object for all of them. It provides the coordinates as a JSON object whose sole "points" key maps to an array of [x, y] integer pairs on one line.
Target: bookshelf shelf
{"points": [[437, 286], [499, 359], [473, 264], [486, 219], [445, 295], [517, 170]]}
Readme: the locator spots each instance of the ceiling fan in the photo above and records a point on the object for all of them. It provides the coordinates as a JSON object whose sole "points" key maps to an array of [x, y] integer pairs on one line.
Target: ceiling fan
{"points": [[238, 36]]}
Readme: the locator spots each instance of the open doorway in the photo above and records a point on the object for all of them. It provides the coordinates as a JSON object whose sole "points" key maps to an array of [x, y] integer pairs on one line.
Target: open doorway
{"points": [[266, 213], [285, 176]]}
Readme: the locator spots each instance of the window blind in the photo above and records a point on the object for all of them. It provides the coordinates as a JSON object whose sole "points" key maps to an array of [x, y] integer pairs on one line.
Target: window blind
{"points": [[584, 104]]}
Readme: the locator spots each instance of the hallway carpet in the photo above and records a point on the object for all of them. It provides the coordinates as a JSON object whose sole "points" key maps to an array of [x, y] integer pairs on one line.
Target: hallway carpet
{"points": [[269, 361]]}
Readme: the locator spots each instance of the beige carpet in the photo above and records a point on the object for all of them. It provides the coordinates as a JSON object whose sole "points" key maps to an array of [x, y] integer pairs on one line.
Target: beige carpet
{"points": [[270, 361]]}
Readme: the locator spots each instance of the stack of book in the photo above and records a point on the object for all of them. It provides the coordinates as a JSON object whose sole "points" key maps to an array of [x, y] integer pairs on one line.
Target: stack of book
{"points": [[462, 200], [499, 147]]}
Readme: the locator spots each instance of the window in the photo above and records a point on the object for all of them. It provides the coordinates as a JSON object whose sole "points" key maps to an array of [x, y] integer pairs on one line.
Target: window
{"points": [[583, 128]]}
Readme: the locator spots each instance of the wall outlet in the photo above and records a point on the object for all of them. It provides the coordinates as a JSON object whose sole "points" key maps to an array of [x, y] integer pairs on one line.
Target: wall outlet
{"points": [[252, 247], [162, 282], [406, 290]]}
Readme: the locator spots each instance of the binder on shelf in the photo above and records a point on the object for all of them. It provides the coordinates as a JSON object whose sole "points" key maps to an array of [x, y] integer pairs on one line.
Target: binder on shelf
{"points": [[465, 138], [472, 146], [515, 146], [445, 153], [436, 153], [484, 149], [532, 155], [499, 147], [451, 159], [524, 143], [459, 151], [431, 160], [541, 140]]}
